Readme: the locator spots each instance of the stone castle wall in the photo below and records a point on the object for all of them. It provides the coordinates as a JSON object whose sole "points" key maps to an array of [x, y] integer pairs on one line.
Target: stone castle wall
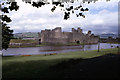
{"points": [[56, 36]]}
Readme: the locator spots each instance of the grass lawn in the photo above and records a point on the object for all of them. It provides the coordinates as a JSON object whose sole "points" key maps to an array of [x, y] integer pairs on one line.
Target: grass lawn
{"points": [[38, 66], [22, 41], [17, 46], [74, 43], [32, 42], [113, 42]]}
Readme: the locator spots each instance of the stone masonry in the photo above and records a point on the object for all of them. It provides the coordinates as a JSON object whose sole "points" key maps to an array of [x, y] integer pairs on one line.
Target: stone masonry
{"points": [[56, 36]]}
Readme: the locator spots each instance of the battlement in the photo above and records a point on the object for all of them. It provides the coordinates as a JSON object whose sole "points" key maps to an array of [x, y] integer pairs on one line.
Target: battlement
{"points": [[57, 36], [47, 30], [57, 29], [89, 33], [79, 30]]}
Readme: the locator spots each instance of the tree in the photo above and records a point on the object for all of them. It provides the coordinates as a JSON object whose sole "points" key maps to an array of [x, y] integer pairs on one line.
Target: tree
{"points": [[6, 36], [6, 32], [78, 42]]}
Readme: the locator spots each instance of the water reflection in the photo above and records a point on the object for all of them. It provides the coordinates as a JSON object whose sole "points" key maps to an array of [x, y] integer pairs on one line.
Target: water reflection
{"points": [[58, 48], [55, 49]]}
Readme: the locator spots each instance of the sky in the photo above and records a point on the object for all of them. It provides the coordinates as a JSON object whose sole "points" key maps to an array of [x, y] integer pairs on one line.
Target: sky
{"points": [[102, 17]]}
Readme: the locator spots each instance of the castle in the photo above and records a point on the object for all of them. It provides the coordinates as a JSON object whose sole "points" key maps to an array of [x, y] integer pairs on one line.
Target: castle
{"points": [[56, 36]]}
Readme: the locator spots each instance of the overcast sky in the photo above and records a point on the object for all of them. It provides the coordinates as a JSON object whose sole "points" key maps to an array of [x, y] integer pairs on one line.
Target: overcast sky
{"points": [[102, 17]]}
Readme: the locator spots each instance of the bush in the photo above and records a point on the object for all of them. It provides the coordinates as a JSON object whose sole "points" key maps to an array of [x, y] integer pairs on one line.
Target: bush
{"points": [[78, 42]]}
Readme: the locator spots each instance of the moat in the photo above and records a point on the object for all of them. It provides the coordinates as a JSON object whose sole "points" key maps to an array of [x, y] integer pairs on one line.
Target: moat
{"points": [[54, 49]]}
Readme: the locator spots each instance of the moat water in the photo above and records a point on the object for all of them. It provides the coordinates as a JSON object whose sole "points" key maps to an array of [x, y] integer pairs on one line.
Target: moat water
{"points": [[54, 49]]}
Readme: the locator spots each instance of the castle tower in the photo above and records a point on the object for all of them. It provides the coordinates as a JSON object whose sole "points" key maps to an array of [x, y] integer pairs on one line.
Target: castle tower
{"points": [[73, 30], [79, 30], [57, 29], [89, 33], [57, 32]]}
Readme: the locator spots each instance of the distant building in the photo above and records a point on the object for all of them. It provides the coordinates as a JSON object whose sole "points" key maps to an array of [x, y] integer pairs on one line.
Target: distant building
{"points": [[105, 36], [56, 36], [109, 38]]}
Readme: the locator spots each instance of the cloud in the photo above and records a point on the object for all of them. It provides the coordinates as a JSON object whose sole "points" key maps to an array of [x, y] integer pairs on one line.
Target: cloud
{"points": [[99, 19], [100, 4]]}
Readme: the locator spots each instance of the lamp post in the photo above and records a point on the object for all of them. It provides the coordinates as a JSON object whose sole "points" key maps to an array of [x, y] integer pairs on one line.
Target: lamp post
{"points": [[83, 44], [99, 45]]}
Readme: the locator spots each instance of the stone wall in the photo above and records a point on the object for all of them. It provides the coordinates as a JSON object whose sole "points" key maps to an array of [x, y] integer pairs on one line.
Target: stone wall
{"points": [[56, 36]]}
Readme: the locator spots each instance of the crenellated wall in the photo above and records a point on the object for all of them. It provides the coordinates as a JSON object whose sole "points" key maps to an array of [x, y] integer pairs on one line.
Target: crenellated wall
{"points": [[56, 36]]}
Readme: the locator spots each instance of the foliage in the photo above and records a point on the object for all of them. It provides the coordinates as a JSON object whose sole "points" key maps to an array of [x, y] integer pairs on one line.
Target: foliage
{"points": [[67, 6], [6, 36], [6, 32], [78, 42]]}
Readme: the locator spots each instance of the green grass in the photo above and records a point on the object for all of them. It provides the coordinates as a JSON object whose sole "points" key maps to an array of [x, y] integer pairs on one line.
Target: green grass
{"points": [[22, 41], [75, 44], [16, 46], [38, 65], [78, 54], [113, 42]]}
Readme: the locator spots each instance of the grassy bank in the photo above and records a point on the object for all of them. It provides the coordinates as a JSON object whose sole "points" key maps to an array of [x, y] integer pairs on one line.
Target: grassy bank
{"points": [[75, 44], [113, 42], [37, 66], [78, 54], [22, 41], [16, 46]]}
